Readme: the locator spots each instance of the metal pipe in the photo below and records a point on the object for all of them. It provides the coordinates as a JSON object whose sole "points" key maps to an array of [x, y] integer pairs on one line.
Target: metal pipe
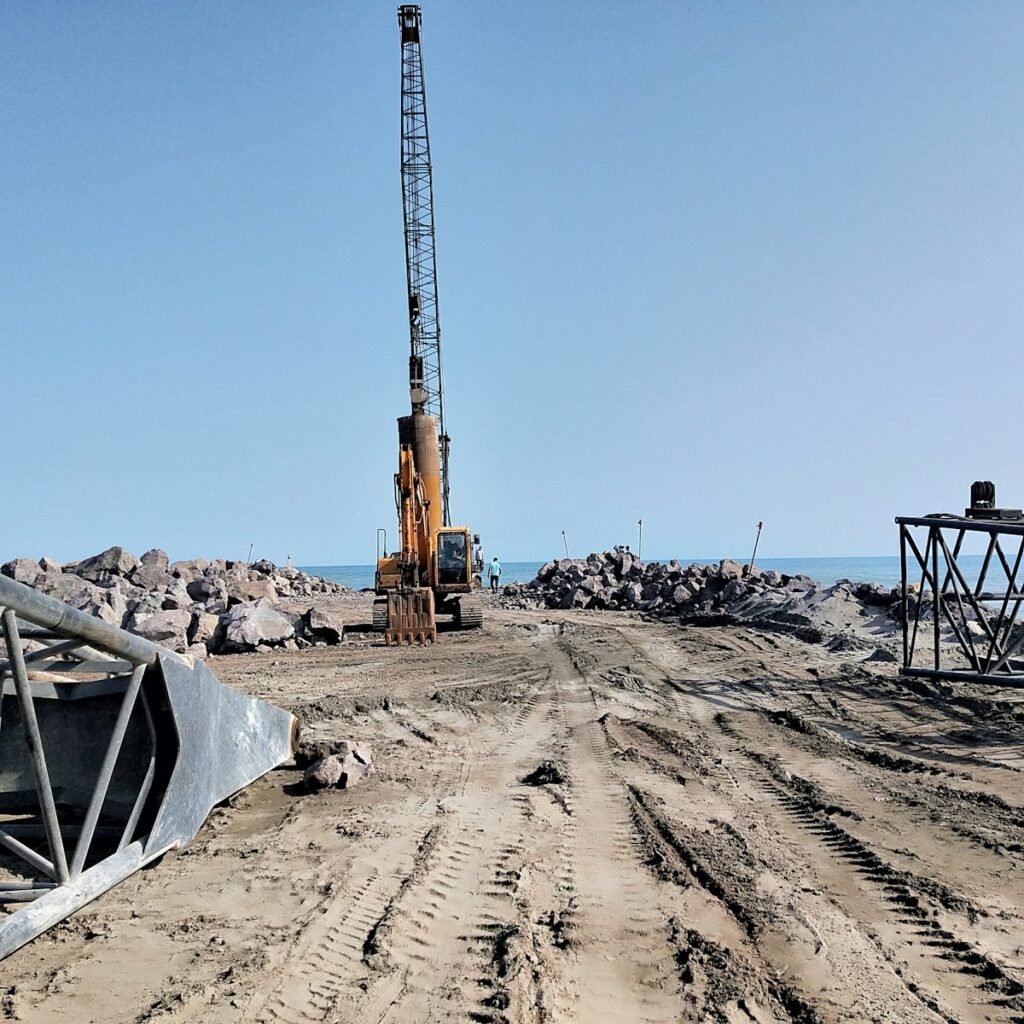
{"points": [[21, 895], [903, 599], [25, 884], [43, 913], [30, 830], [99, 793], [937, 598], [1011, 581], [27, 854], [1016, 682], [53, 614], [1010, 526], [35, 743], [147, 782]]}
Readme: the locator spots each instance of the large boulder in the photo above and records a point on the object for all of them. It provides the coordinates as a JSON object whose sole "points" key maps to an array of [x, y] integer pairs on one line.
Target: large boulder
{"points": [[156, 558], [327, 624], [150, 576], [71, 589], [189, 569], [730, 570], [169, 628], [22, 570], [176, 596], [252, 590], [114, 561], [253, 623], [203, 628], [207, 589]]}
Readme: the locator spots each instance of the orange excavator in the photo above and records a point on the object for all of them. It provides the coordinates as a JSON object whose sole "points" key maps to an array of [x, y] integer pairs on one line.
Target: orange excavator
{"points": [[432, 573]]}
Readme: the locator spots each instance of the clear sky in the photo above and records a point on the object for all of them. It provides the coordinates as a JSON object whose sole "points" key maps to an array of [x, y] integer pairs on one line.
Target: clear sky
{"points": [[704, 263]]}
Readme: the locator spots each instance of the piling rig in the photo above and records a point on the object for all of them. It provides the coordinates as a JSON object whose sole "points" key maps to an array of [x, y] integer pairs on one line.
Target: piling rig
{"points": [[432, 571]]}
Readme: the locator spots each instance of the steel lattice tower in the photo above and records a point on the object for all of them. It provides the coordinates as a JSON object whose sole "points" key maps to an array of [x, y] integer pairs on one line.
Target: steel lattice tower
{"points": [[418, 211]]}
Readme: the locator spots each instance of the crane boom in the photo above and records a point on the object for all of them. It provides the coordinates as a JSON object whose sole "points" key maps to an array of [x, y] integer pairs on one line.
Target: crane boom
{"points": [[425, 379]]}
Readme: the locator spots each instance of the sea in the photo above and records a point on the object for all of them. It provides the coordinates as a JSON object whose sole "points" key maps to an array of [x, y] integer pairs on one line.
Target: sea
{"points": [[884, 569]]}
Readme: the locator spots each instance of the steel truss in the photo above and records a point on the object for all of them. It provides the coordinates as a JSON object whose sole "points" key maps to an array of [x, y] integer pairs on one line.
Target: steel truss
{"points": [[113, 750], [983, 620], [420, 240]]}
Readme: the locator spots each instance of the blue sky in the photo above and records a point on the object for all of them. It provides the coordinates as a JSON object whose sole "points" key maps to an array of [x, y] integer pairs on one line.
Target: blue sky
{"points": [[701, 263]]}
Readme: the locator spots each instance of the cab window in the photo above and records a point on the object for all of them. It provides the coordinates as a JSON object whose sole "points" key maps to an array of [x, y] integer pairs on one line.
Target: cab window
{"points": [[451, 558]]}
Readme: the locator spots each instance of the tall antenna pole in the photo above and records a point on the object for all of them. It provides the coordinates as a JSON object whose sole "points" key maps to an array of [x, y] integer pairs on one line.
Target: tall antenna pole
{"points": [[421, 272]]}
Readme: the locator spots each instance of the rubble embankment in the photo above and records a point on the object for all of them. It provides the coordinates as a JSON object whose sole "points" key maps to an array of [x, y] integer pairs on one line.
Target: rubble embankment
{"points": [[708, 594], [196, 606]]}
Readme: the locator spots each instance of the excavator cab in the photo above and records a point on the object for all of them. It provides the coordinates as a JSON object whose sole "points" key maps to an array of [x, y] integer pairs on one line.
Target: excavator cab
{"points": [[454, 560]]}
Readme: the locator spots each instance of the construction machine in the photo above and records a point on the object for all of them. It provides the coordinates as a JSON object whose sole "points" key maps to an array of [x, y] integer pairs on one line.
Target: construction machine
{"points": [[432, 572]]}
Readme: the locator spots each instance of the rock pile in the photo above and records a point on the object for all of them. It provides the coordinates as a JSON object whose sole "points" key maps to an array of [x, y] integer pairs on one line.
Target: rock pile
{"points": [[726, 591], [194, 606]]}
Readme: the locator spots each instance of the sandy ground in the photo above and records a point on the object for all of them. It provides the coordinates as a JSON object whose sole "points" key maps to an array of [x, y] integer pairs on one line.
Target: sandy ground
{"points": [[751, 829]]}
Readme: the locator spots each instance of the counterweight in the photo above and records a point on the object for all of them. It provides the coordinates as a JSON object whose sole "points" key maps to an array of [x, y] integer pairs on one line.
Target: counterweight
{"points": [[426, 381]]}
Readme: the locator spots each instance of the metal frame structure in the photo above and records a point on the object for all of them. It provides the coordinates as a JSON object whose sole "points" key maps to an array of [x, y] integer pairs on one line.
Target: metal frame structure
{"points": [[113, 750], [983, 620], [420, 240]]}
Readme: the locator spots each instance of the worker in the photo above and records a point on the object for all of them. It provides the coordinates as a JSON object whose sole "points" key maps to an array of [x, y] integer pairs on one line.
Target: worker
{"points": [[494, 572], [478, 554]]}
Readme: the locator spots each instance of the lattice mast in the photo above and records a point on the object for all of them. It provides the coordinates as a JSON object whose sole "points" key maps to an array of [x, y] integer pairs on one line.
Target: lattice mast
{"points": [[425, 381]]}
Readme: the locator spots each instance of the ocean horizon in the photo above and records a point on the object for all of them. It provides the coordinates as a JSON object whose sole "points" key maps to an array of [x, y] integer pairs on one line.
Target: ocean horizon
{"points": [[883, 569]]}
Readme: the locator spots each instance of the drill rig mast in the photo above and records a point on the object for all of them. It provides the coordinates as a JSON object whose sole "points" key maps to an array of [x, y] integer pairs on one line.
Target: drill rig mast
{"points": [[420, 241], [432, 572]]}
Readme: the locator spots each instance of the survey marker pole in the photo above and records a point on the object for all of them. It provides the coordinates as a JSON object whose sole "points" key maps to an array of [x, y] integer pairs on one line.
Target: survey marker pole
{"points": [[757, 540]]}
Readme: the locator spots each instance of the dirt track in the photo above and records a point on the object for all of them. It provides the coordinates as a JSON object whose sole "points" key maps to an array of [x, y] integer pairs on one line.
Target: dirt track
{"points": [[751, 830]]}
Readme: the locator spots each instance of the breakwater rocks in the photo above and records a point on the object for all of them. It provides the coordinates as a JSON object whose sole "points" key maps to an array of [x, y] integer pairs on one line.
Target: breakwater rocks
{"points": [[710, 594], [195, 606]]}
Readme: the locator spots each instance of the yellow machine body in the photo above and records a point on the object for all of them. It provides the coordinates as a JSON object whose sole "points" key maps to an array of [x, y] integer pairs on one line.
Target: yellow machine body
{"points": [[432, 559]]}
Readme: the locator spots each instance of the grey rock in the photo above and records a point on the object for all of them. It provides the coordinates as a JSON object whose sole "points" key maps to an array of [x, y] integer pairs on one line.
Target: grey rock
{"points": [[155, 558], [323, 774], [72, 590], [253, 624], [326, 624], [22, 570], [169, 628], [48, 564], [114, 561], [252, 590], [189, 569], [151, 577], [203, 627], [176, 596], [206, 589]]}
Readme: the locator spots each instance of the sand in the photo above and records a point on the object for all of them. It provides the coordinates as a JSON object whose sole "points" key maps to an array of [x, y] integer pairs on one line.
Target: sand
{"points": [[749, 828]]}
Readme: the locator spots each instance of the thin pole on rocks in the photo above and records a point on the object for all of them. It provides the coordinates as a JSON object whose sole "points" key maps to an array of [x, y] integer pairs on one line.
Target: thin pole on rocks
{"points": [[565, 544], [757, 540], [640, 541], [248, 561]]}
